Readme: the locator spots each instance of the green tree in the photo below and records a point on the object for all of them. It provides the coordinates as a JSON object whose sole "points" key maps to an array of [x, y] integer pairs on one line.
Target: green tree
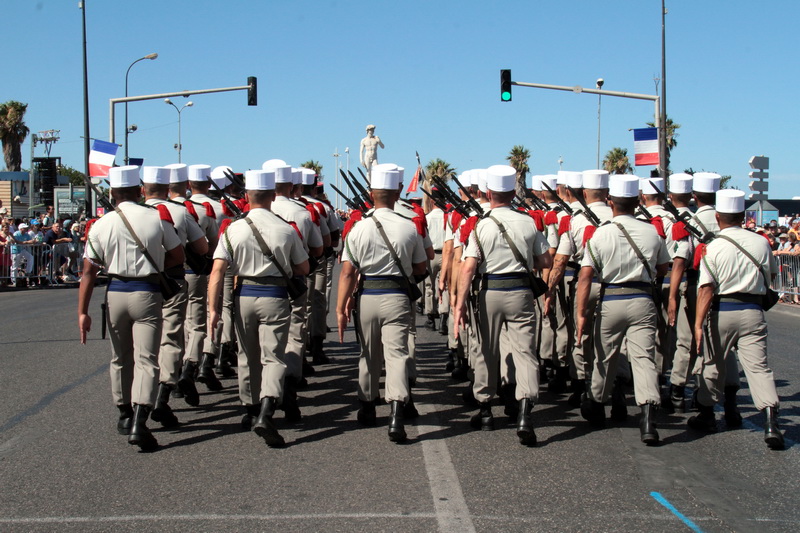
{"points": [[671, 134], [76, 177], [313, 165], [13, 132], [723, 182], [518, 158], [439, 168], [616, 161]]}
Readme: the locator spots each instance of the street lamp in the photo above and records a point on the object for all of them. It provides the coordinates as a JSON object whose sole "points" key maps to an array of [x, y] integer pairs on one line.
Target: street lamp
{"points": [[600, 83], [178, 146], [148, 56]]}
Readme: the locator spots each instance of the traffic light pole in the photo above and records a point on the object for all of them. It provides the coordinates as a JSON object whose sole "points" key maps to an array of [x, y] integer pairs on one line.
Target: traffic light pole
{"points": [[662, 138], [113, 101]]}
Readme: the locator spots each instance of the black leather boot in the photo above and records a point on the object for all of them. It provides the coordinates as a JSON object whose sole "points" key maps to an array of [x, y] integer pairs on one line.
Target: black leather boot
{"points": [[461, 369], [483, 419], [409, 409], [162, 413], [206, 375], [250, 415], [431, 323], [140, 435], [619, 410], [647, 425], [264, 426], [186, 383], [677, 398], [318, 356], [308, 370], [397, 433], [510, 405], [772, 432], [125, 419], [366, 413], [525, 431], [558, 382], [705, 421], [443, 324], [227, 360], [469, 395], [291, 409], [578, 387], [733, 419], [594, 412], [451, 360]]}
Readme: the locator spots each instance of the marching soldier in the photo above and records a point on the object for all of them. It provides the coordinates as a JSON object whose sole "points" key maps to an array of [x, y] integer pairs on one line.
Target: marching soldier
{"points": [[503, 249], [385, 249], [295, 214], [134, 297], [173, 340], [264, 252], [735, 272], [195, 284], [435, 299], [627, 256]]}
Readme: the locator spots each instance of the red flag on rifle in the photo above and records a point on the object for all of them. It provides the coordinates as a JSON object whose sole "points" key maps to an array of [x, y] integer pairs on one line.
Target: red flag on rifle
{"points": [[412, 187]]}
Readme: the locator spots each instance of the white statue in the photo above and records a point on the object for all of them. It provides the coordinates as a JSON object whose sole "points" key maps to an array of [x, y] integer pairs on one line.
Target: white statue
{"points": [[368, 152]]}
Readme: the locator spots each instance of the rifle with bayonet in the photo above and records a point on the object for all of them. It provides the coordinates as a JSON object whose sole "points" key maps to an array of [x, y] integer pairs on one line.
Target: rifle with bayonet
{"points": [[363, 191], [474, 205], [681, 217], [561, 203], [450, 197], [361, 199], [224, 197], [538, 203], [348, 202], [590, 215]]}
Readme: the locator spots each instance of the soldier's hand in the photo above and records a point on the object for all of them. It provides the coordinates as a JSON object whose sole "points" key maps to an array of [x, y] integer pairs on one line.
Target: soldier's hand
{"points": [[581, 321], [85, 326], [342, 318], [215, 316], [459, 320], [698, 338], [672, 311], [548, 301]]}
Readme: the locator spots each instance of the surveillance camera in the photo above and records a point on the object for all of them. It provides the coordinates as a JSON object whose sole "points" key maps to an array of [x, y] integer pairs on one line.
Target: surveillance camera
{"points": [[134, 127], [600, 82]]}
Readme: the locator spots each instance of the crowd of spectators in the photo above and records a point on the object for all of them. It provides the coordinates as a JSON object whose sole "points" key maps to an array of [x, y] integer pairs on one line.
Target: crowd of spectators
{"points": [[31, 246], [785, 243]]}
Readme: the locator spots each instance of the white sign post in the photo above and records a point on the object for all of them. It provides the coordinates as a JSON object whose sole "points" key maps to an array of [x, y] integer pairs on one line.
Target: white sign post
{"points": [[759, 185]]}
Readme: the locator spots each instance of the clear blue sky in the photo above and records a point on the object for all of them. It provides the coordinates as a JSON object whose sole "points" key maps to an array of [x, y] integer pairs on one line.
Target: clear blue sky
{"points": [[426, 73]]}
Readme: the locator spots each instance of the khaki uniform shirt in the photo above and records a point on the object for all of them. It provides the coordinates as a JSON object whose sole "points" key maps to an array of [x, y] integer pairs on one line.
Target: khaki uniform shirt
{"points": [[703, 217], [186, 226], [436, 227], [366, 250], [111, 244], [218, 214], [730, 270], [551, 230], [490, 248], [291, 211], [239, 247], [405, 211], [324, 228], [207, 224], [571, 243], [610, 254]]}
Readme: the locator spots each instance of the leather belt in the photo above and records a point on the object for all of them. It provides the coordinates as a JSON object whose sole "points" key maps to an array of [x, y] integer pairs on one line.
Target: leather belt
{"points": [[272, 281], [383, 282]]}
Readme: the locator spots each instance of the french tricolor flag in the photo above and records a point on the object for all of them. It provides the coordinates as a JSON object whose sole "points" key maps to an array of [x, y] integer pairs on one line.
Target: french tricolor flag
{"points": [[101, 158], [645, 146]]}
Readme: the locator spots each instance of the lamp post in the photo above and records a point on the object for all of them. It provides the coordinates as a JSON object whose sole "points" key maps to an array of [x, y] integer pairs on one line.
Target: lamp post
{"points": [[178, 146], [600, 83], [148, 56]]}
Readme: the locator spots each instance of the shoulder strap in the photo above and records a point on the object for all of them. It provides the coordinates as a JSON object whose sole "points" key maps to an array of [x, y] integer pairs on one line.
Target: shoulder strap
{"points": [[636, 250], [392, 251], [747, 255], [700, 223], [265, 248], [517, 255], [141, 246]]}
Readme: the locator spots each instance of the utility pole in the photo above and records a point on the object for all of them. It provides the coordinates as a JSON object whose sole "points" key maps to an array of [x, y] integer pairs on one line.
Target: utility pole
{"points": [[88, 190], [662, 133]]}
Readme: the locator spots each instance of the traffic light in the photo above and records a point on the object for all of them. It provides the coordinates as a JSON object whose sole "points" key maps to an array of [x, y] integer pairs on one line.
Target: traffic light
{"points": [[252, 91], [505, 85]]}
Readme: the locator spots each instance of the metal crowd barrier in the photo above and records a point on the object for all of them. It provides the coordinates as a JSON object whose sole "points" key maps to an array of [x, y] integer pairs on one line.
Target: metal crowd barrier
{"points": [[31, 262], [788, 279]]}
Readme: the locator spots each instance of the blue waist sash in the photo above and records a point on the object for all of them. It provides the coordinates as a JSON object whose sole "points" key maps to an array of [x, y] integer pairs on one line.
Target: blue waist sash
{"points": [[118, 285]]}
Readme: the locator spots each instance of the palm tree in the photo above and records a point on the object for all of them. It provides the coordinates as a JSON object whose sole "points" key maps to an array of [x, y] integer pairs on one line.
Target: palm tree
{"points": [[13, 132], [671, 134], [518, 158], [617, 162], [313, 165], [439, 168]]}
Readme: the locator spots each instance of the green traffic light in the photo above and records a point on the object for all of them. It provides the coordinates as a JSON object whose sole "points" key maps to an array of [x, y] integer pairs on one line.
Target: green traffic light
{"points": [[506, 96]]}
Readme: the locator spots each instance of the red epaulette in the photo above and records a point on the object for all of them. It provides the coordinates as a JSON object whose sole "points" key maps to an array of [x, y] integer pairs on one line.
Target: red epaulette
{"points": [[209, 210], [89, 225], [659, 225], [467, 228], [226, 211], [679, 231], [192, 211], [163, 212], [223, 227], [313, 213], [551, 218], [588, 231], [294, 225], [321, 209], [241, 203], [355, 216], [418, 210], [538, 217], [455, 219], [563, 226], [420, 225], [699, 253]]}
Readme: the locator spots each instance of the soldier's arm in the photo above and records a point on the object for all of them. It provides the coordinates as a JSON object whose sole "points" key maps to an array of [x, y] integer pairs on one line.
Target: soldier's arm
{"points": [[557, 272], [582, 299], [90, 271], [301, 269], [543, 262], [347, 283], [468, 270], [447, 258], [678, 268], [315, 251], [174, 257], [418, 269], [661, 271], [200, 246], [704, 296], [215, 283]]}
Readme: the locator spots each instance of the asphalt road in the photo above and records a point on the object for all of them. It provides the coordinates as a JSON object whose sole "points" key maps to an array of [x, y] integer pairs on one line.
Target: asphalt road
{"points": [[63, 467]]}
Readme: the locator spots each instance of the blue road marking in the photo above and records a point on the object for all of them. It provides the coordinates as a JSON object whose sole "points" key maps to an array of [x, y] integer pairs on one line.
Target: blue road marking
{"points": [[663, 501]]}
